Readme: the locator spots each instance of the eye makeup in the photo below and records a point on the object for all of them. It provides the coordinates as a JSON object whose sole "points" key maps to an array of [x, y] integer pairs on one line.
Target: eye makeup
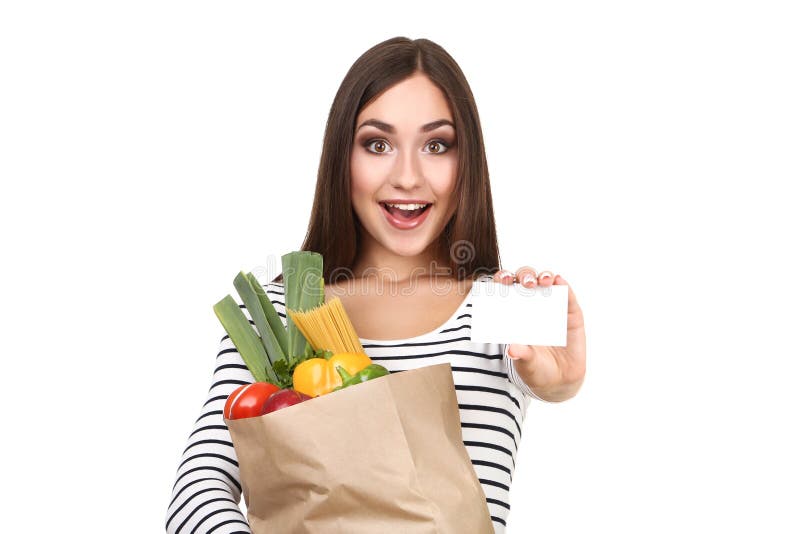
{"points": [[367, 143]]}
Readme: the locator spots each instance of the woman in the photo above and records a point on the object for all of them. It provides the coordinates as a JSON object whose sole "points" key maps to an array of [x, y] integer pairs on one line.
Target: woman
{"points": [[403, 217]]}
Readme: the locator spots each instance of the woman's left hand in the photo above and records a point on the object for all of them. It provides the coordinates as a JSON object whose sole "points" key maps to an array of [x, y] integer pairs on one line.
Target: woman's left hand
{"points": [[553, 373]]}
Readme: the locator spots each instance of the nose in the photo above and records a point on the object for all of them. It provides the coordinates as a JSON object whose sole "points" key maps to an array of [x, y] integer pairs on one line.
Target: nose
{"points": [[407, 171]]}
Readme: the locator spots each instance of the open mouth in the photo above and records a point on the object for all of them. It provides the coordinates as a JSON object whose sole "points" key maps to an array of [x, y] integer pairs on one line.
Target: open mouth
{"points": [[406, 212]]}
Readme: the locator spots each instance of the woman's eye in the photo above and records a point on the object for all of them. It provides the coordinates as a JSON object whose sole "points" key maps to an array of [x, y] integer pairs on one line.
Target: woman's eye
{"points": [[381, 146], [437, 147]]}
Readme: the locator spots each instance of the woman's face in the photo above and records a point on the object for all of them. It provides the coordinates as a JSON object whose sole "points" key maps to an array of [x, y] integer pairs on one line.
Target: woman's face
{"points": [[404, 154]]}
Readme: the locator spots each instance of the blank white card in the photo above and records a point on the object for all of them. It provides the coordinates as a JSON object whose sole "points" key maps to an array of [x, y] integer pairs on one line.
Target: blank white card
{"points": [[516, 314]]}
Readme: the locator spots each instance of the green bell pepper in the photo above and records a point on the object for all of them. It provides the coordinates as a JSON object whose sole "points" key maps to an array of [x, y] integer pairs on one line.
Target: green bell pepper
{"points": [[367, 373]]}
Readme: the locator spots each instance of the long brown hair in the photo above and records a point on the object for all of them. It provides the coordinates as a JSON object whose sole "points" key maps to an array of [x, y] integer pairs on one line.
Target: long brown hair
{"points": [[469, 240]]}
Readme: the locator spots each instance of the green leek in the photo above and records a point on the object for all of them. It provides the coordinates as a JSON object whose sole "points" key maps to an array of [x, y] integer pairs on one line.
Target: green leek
{"points": [[245, 339], [304, 290], [273, 318], [251, 301]]}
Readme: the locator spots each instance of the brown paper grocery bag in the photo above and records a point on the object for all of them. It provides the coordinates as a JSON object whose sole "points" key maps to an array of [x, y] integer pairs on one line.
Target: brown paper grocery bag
{"points": [[383, 456]]}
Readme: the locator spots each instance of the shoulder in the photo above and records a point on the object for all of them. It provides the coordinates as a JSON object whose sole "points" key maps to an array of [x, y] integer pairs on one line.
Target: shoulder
{"points": [[275, 291]]}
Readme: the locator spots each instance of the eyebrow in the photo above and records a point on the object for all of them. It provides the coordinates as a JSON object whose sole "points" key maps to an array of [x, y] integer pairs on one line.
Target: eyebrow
{"points": [[391, 129]]}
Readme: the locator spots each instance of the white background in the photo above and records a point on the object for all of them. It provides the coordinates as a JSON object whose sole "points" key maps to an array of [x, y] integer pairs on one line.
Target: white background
{"points": [[645, 151]]}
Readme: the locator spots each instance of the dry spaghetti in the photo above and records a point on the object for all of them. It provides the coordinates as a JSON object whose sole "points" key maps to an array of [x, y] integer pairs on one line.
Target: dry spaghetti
{"points": [[327, 327]]}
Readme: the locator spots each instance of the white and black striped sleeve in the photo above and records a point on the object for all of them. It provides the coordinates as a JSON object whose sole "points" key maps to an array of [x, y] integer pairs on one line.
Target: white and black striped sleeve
{"points": [[514, 377], [207, 490]]}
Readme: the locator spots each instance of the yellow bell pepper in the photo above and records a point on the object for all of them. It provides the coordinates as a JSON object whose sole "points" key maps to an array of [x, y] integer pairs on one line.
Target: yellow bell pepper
{"points": [[318, 376]]}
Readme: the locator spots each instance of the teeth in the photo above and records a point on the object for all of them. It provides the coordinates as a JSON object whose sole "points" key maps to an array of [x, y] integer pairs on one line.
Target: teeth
{"points": [[407, 207]]}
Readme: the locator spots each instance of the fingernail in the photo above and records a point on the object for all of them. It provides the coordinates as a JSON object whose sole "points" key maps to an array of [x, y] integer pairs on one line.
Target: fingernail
{"points": [[528, 279], [545, 275], [506, 275]]}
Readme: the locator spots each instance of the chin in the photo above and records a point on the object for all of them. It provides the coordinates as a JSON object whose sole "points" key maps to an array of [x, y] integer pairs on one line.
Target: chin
{"points": [[404, 245], [407, 250], [408, 247]]}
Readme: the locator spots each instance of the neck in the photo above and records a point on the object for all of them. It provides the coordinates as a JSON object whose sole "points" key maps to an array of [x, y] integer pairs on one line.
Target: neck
{"points": [[390, 267]]}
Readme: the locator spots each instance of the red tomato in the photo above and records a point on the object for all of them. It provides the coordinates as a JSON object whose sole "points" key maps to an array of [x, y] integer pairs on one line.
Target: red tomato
{"points": [[248, 400]]}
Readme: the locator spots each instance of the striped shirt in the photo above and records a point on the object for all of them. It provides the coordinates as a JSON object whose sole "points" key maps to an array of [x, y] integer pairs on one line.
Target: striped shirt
{"points": [[492, 401]]}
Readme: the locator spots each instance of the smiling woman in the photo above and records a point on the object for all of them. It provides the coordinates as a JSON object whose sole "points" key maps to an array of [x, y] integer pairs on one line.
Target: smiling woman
{"points": [[403, 175], [403, 129], [403, 191]]}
